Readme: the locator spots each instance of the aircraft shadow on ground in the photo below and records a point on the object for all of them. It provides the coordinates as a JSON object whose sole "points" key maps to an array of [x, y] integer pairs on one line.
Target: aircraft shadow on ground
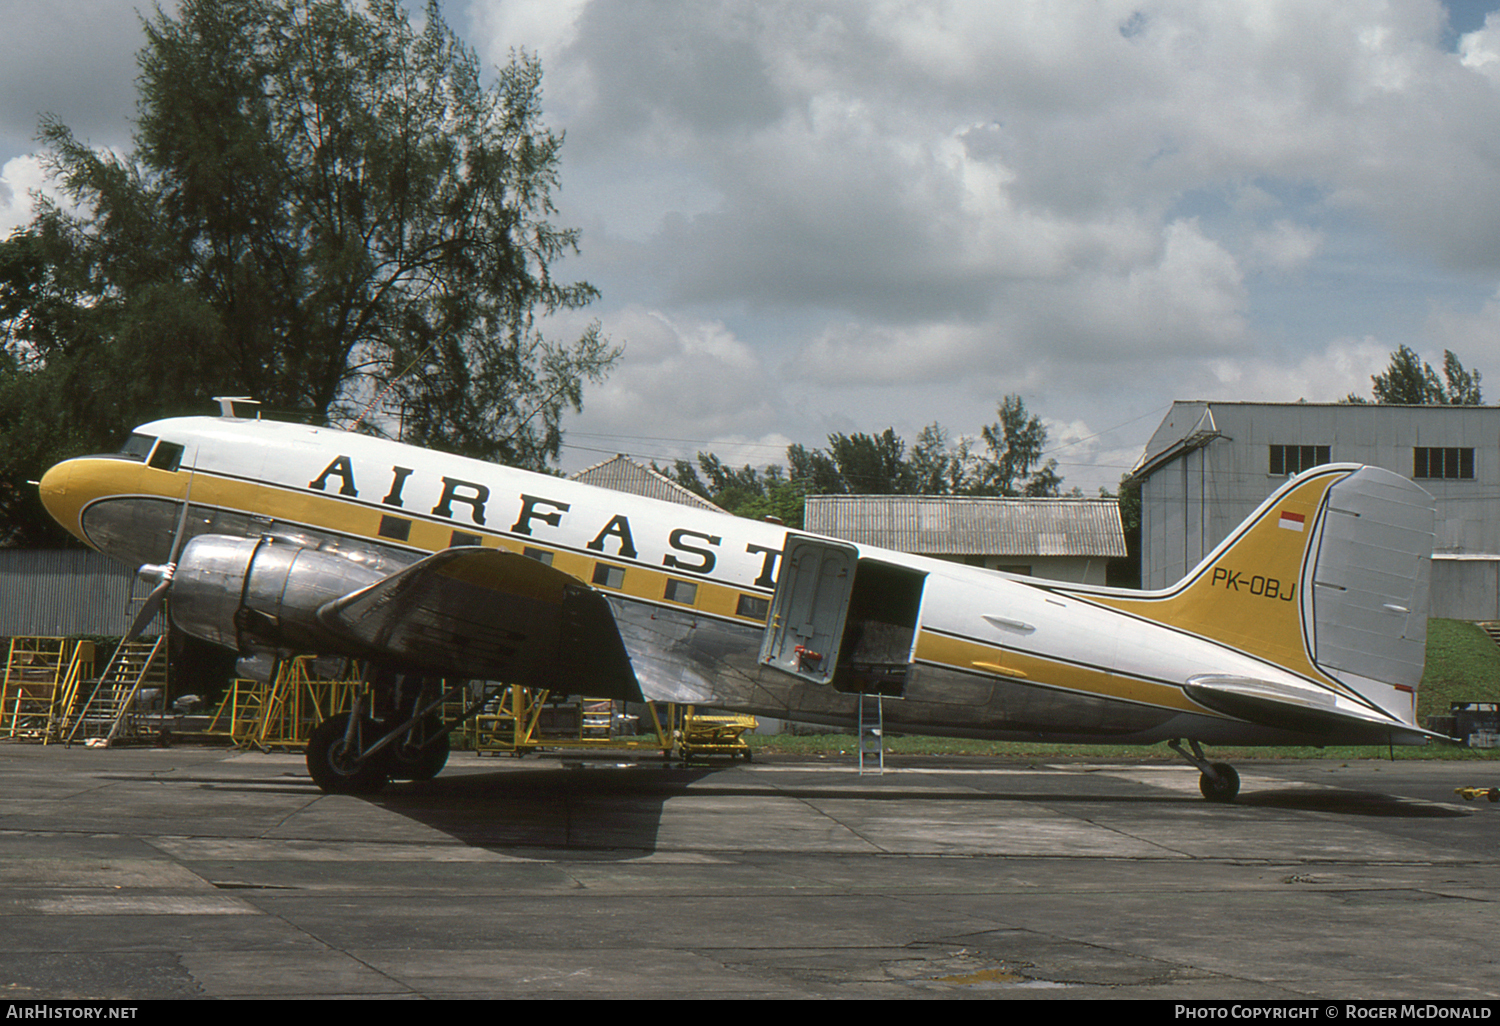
{"points": [[613, 812], [591, 813], [602, 809], [1351, 803]]}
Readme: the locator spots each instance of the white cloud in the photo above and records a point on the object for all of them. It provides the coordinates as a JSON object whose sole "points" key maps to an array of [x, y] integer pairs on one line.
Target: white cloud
{"points": [[1284, 247], [1480, 50], [19, 176], [681, 378], [816, 215]]}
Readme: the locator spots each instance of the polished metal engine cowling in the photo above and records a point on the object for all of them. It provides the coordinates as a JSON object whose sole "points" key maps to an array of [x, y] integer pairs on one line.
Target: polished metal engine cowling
{"points": [[249, 592]]}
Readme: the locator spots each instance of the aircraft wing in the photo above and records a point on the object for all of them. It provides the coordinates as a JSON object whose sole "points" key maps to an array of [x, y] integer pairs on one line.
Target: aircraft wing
{"points": [[1313, 710], [489, 614]]}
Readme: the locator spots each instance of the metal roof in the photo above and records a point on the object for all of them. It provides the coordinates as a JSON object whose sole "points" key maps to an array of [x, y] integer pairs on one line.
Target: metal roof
{"points": [[624, 474], [967, 526]]}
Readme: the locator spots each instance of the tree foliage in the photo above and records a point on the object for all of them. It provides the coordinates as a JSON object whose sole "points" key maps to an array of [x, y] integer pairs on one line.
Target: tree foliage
{"points": [[1410, 381], [324, 205], [1007, 458]]}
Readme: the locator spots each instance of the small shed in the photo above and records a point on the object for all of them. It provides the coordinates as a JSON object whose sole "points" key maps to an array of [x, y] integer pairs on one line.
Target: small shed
{"points": [[1065, 539]]}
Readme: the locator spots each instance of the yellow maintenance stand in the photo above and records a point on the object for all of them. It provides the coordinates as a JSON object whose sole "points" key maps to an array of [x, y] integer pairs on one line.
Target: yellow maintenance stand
{"points": [[41, 677], [100, 712], [523, 720], [282, 712], [705, 735]]}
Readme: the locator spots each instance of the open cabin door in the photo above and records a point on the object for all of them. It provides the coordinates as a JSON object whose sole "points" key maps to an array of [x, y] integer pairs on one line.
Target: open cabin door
{"points": [[809, 607], [841, 620]]}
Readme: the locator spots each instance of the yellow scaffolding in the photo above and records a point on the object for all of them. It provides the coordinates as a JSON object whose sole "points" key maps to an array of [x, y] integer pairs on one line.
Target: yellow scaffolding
{"points": [[522, 720], [282, 712], [41, 677], [109, 712]]}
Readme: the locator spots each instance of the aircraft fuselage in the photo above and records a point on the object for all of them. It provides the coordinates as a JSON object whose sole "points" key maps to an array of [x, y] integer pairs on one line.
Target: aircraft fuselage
{"points": [[955, 650]]}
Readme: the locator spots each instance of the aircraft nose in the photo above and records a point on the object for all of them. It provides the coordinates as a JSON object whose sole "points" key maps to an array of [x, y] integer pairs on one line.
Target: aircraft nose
{"points": [[56, 497]]}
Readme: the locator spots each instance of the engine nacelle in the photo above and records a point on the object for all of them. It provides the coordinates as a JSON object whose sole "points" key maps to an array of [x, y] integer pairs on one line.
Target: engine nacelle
{"points": [[253, 592]]}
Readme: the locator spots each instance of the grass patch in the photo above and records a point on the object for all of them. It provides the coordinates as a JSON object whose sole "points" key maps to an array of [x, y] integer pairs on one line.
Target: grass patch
{"points": [[1463, 665]]}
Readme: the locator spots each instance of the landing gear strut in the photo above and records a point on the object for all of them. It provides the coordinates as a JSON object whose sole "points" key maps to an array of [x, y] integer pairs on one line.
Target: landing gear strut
{"points": [[1220, 782], [423, 753]]}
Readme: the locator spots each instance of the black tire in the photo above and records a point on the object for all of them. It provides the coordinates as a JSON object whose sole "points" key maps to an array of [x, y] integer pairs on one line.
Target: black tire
{"points": [[1225, 789], [409, 763], [327, 761]]}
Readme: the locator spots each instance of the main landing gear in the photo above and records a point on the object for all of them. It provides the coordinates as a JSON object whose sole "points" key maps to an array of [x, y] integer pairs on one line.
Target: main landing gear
{"points": [[354, 753], [1219, 783], [337, 759]]}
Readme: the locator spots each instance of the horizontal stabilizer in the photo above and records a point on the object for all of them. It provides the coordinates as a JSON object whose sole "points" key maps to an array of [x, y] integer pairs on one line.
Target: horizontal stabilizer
{"points": [[1300, 709]]}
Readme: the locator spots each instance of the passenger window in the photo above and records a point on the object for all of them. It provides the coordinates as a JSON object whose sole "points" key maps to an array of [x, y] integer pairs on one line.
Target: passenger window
{"points": [[168, 456], [753, 608], [609, 576], [395, 528], [685, 592]]}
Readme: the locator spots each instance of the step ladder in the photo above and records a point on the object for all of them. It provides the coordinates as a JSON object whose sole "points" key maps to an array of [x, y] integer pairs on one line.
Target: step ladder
{"points": [[109, 711], [871, 734]]}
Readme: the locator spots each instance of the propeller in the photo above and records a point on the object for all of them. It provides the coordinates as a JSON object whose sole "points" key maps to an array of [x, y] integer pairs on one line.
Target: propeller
{"points": [[162, 573]]}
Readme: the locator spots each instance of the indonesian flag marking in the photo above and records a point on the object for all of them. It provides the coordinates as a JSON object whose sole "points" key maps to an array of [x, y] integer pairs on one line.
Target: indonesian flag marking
{"points": [[1292, 521]]}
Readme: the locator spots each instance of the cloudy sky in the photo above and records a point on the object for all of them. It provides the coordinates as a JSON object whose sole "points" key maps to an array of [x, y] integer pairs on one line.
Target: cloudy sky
{"points": [[819, 216]]}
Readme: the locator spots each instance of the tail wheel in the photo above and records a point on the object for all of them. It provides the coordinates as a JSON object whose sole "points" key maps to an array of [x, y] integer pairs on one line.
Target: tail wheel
{"points": [[1223, 789], [331, 753]]}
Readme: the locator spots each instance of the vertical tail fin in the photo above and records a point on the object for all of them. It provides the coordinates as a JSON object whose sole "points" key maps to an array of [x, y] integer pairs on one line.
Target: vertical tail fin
{"points": [[1327, 579]]}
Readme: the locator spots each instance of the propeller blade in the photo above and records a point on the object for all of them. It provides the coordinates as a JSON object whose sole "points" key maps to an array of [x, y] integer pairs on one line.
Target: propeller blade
{"points": [[149, 609], [164, 573], [182, 520]]}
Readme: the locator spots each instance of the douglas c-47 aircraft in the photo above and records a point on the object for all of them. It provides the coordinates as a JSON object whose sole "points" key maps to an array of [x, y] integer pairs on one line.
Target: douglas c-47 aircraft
{"points": [[1306, 626]]}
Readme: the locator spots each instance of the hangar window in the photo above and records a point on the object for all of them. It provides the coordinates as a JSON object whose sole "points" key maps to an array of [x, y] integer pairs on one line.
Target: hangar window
{"points": [[464, 538], [540, 555], [1294, 459], [1450, 464]]}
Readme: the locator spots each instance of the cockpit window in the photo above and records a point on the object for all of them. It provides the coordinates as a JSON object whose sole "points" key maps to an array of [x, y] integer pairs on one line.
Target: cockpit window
{"points": [[167, 456], [137, 446]]}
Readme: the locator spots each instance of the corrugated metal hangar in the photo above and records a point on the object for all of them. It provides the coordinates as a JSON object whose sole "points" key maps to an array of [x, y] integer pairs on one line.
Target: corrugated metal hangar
{"points": [[1210, 464], [63, 593]]}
